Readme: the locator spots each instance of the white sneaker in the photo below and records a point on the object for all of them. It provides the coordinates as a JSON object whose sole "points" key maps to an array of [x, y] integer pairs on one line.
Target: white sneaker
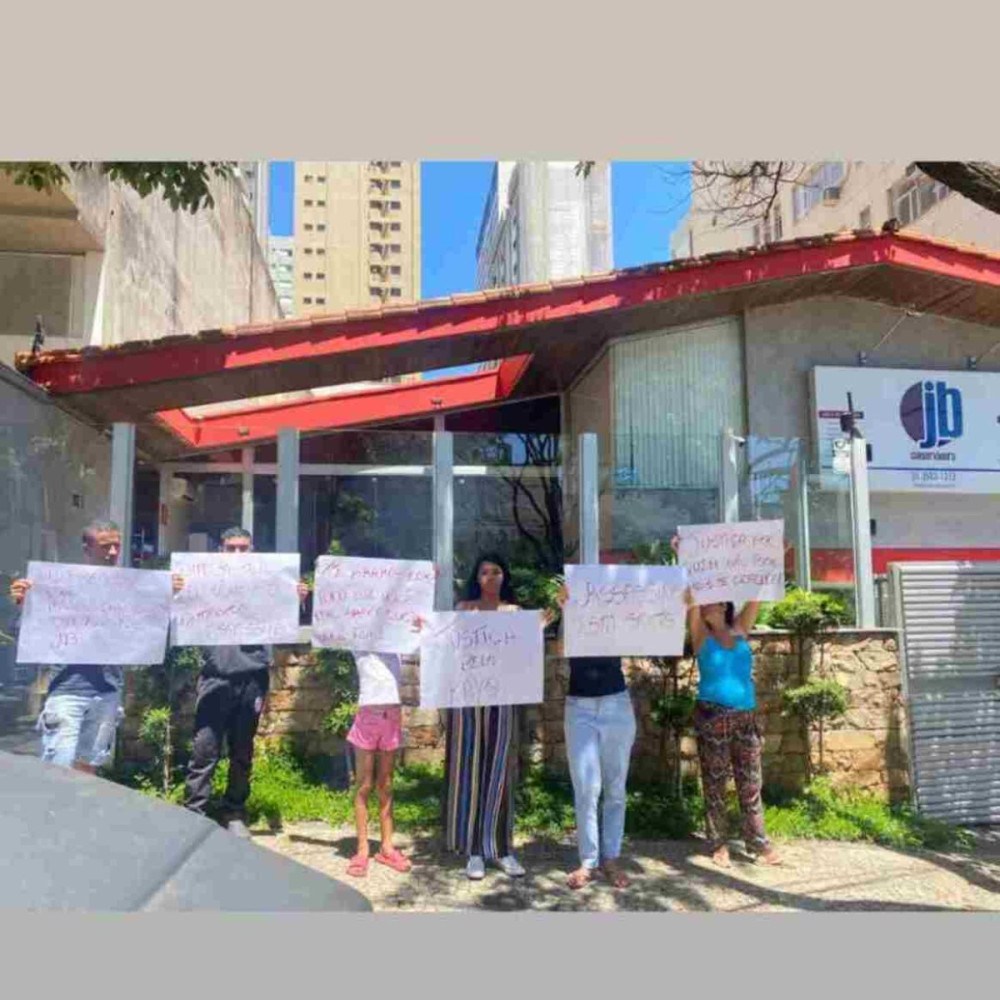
{"points": [[511, 866], [476, 868]]}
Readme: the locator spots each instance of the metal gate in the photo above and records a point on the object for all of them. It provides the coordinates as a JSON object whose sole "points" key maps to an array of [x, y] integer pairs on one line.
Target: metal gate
{"points": [[948, 614]]}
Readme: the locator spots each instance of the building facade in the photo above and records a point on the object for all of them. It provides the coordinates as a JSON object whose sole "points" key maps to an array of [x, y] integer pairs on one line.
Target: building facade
{"points": [[94, 264], [281, 261], [256, 182], [831, 197], [357, 235], [544, 222]]}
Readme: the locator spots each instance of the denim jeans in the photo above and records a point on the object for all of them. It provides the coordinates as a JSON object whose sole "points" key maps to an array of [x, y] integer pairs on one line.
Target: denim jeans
{"points": [[79, 728], [599, 737]]}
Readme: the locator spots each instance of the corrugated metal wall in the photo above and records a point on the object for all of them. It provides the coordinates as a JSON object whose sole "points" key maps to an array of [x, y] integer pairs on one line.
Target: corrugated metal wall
{"points": [[673, 394], [949, 615]]}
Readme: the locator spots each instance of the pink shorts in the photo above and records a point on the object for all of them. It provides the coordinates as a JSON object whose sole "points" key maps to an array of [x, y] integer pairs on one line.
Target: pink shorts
{"points": [[377, 727]]}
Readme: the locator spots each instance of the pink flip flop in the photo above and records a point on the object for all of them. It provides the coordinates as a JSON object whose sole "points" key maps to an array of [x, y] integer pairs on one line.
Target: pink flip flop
{"points": [[395, 860], [358, 866]]}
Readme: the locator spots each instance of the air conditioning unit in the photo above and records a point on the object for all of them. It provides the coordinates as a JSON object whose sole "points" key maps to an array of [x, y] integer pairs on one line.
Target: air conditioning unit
{"points": [[831, 195]]}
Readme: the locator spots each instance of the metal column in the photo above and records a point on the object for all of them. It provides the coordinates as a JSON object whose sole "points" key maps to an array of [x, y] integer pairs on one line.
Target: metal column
{"points": [[803, 568], [246, 521], [163, 522], [590, 501], [861, 528], [122, 483], [729, 477], [443, 500], [286, 526]]}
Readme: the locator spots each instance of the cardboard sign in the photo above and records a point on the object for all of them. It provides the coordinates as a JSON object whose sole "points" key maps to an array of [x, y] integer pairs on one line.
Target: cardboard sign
{"points": [[470, 658], [624, 611], [236, 598], [371, 604], [739, 562], [94, 615]]}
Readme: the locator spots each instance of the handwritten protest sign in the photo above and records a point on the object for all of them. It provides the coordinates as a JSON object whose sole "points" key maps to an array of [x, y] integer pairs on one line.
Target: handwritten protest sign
{"points": [[94, 614], [236, 599], [370, 604], [624, 611], [739, 562], [472, 658]]}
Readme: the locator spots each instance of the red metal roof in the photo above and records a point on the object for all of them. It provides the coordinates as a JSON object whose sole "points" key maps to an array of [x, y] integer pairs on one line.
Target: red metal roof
{"points": [[551, 329]]}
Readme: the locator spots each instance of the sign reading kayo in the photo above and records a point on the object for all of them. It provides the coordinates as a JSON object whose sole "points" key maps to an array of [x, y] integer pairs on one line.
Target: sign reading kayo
{"points": [[624, 611], [370, 604], [470, 658], [739, 562], [234, 599], [94, 614]]}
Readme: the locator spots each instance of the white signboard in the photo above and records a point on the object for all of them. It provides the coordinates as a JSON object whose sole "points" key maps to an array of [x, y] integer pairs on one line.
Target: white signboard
{"points": [[738, 562], [624, 611], [370, 604], [470, 658], [94, 614], [236, 599], [928, 430]]}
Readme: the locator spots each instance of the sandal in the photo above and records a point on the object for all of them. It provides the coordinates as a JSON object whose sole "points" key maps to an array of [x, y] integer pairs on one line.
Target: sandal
{"points": [[769, 856], [394, 859], [616, 876], [580, 878], [358, 866]]}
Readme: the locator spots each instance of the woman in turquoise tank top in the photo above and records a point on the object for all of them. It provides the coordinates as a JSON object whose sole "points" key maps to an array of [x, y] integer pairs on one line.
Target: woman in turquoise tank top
{"points": [[726, 726]]}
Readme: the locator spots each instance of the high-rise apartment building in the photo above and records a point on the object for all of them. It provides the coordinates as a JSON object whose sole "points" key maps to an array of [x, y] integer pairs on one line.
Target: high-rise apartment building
{"points": [[254, 176], [357, 235], [543, 222], [281, 262], [832, 196]]}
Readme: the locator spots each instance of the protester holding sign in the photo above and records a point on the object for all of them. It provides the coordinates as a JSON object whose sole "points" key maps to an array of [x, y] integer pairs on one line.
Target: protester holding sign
{"points": [[481, 750], [600, 730], [231, 691], [376, 734], [728, 733], [83, 706]]}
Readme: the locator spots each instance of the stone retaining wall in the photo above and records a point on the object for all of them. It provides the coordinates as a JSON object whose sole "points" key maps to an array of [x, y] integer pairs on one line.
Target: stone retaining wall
{"points": [[864, 749]]}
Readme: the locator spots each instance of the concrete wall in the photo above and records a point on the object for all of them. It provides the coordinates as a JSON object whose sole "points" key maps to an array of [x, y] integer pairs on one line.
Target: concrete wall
{"points": [[33, 285], [54, 475], [164, 272]]}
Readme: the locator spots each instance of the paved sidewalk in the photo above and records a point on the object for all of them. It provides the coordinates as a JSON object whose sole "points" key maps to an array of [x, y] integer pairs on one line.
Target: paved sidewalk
{"points": [[668, 875]]}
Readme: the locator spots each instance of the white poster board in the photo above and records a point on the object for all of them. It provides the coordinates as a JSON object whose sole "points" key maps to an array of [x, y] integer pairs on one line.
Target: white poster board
{"points": [[94, 614], [929, 430], [738, 562], [624, 611], [236, 598], [370, 604], [470, 658]]}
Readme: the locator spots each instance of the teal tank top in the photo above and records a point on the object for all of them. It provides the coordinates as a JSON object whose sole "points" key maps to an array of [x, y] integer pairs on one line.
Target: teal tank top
{"points": [[725, 675]]}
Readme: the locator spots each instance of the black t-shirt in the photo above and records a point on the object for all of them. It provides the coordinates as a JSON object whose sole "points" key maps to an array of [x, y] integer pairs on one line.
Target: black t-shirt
{"points": [[595, 676]]}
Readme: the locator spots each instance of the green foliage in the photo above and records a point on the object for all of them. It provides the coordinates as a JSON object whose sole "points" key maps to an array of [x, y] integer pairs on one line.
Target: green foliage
{"points": [[817, 700], [658, 552], [182, 184], [154, 729], [823, 813], [535, 588], [673, 711], [338, 720], [806, 614]]}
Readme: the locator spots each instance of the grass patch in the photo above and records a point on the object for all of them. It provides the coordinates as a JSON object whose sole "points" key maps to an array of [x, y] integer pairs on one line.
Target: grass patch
{"points": [[288, 789]]}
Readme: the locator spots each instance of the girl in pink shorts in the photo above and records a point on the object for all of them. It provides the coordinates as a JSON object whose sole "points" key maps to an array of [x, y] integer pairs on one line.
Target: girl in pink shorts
{"points": [[376, 735]]}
